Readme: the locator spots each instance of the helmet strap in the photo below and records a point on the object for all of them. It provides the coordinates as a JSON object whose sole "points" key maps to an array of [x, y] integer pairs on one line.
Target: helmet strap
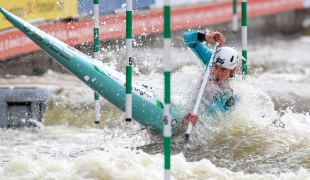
{"points": [[232, 72]]}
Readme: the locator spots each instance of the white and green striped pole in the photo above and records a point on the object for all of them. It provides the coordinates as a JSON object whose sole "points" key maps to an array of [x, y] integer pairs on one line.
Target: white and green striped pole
{"points": [[128, 60], [96, 49], [235, 17], [244, 34], [167, 76]]}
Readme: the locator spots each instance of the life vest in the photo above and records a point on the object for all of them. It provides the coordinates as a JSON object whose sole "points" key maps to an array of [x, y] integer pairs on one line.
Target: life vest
{"points": [[221, 102]]}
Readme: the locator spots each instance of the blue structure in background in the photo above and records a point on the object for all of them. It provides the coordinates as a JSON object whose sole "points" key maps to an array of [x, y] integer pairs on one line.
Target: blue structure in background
{"points": [[109, 6]]}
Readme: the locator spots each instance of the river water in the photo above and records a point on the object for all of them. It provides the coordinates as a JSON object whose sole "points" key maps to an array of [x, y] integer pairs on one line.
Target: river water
{"points": [[239, 145]]}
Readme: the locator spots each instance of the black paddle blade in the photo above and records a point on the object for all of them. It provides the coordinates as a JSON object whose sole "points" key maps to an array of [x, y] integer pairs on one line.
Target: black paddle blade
{"points": [[186, 138]]}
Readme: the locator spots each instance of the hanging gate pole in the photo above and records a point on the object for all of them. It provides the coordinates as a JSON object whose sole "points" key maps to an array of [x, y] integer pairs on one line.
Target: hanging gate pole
{"points": [[167, 76], [96, 49]]}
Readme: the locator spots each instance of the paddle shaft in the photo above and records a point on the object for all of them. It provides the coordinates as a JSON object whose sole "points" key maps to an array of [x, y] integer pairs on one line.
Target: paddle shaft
{"points": [[202, 87]]}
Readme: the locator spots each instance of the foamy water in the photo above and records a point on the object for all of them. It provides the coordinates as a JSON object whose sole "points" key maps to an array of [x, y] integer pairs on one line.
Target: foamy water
{"points": [[238, 145]]}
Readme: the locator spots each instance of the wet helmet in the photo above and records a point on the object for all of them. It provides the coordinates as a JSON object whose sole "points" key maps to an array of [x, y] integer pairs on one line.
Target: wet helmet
{"points": [[226, 57]]}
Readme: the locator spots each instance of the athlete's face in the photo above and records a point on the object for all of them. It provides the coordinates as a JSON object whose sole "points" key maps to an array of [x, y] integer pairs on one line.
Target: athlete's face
{"points": [[220, 73]]}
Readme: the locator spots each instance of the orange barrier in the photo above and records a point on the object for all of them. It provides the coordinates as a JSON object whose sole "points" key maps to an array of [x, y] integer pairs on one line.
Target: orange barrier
{"points": [[13, 42]]}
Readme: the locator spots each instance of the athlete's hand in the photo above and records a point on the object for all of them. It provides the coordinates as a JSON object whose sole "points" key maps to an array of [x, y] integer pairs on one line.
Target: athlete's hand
{"points": [[190, 117], [216, 36]]}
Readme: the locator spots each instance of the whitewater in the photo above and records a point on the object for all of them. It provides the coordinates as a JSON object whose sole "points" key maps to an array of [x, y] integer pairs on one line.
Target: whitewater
{"points": [[243, 144]]}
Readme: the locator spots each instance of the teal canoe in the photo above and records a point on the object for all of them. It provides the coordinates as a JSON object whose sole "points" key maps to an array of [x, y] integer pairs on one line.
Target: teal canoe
{"points": [[110, 84]]}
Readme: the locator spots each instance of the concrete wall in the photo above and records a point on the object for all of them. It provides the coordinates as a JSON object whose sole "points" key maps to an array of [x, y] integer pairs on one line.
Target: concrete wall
{"points": [[36, 63]]}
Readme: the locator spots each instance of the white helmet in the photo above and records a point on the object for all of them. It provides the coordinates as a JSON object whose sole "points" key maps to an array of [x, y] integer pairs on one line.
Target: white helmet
{"points": [[226, 57]]}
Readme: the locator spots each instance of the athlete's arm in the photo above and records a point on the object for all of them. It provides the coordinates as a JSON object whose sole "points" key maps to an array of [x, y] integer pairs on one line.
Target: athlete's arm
{"points": [[195, 41]]}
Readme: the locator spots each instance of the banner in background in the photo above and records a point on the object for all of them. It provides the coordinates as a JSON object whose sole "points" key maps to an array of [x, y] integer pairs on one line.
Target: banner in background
{"points": [[37, 10]]}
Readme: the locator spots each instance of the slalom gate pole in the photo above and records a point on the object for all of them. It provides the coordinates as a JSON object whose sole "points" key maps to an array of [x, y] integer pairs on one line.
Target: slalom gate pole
{"points": [[235, 17], [167, 76], [128, 60], [244, 34], [96, 49]]}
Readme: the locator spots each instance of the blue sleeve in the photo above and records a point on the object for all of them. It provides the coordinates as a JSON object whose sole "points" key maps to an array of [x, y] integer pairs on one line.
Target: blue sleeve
{"points": [[202, 51]]}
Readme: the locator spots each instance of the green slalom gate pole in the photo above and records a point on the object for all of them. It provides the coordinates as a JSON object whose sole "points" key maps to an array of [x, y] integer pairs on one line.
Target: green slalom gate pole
{"points": [[235, 17], [128, 60], [167, 76], [96, 56], [244, 35]]}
